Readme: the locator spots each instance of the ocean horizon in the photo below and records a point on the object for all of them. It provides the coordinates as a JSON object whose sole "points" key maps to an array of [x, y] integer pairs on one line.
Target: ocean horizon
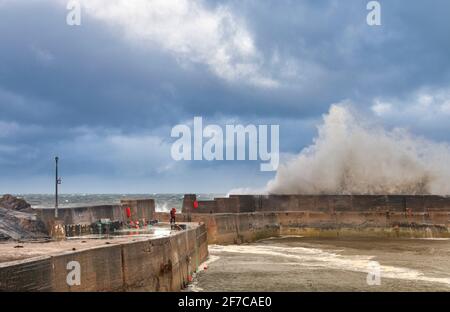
{"points": [[163, 201]]}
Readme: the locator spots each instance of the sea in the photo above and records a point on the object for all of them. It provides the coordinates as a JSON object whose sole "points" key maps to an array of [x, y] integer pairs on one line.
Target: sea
{"points": [[164, 202]]}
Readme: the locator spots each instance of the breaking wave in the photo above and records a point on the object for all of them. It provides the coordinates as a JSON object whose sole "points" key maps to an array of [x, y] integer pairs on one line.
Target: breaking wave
{"points": [[353, 156]]}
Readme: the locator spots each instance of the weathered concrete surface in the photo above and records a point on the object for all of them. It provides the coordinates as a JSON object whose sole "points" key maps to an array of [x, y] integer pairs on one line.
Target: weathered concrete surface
{"points": [[248, 227], [133, 263], [245, 218], [140, 209], [328, 203]]}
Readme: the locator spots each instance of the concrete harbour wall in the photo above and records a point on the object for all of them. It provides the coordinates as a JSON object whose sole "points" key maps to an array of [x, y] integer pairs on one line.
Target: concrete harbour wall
{"points": [[155, 264], [140, 209], [232, 228], [246, 218], [323, 203]]}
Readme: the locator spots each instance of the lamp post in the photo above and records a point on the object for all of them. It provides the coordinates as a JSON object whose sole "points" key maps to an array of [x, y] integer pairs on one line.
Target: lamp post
{"points": [[57, 182]]}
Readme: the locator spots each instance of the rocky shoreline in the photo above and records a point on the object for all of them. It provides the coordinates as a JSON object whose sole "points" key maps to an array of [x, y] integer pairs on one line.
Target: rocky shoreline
{"points": [[17, 220]]}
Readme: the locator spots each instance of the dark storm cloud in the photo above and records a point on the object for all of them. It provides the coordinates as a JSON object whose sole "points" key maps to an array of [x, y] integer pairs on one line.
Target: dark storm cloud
{"points": [[86, 92], [409, 49]]}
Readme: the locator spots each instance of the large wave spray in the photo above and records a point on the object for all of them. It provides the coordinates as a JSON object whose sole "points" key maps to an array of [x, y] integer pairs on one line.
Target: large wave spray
{"points": [[352, 156]]}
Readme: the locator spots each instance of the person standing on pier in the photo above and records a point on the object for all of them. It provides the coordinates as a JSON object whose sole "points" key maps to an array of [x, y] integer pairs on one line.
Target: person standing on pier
{"points": [[173, 212]]}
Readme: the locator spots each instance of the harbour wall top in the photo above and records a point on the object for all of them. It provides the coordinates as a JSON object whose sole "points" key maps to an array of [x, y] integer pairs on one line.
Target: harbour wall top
{"points": [[323, 203]]}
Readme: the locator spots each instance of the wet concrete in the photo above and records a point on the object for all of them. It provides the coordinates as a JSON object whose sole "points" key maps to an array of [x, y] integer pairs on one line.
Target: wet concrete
{"points": [[306, 264], [10, 250], [159, 261]]}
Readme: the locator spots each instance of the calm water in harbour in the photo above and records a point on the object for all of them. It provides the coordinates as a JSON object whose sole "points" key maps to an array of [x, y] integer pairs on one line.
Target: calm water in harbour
{"points": [[303, 264]]}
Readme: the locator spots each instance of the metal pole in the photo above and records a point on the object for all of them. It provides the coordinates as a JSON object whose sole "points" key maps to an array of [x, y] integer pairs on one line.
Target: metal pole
{"points": [[56, 187]]}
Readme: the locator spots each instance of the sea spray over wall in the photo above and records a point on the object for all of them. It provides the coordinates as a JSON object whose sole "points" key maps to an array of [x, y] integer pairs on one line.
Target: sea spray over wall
{"points": [[352, 156]]}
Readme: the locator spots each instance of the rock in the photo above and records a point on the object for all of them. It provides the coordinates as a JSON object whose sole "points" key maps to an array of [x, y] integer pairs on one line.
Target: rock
{"points": [[19, 225], [14, 203], [16, 220]]}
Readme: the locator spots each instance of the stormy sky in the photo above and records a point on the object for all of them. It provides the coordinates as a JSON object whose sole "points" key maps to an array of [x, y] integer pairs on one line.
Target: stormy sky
{"points": [[104, 95]]}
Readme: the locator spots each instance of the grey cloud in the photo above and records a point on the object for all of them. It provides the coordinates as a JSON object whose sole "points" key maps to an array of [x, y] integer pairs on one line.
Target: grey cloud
{"points": [[56, 80]]}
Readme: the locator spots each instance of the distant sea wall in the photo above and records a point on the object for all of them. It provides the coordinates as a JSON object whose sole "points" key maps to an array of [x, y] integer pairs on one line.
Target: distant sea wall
{"points": [[139, 208], [156, 264]]}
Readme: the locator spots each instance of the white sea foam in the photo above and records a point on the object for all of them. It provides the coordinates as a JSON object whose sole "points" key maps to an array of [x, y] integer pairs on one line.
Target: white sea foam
{"points": [[279, 237], [164, 207], [433, 238], [194, 285], [317, 258], [351, 155]]}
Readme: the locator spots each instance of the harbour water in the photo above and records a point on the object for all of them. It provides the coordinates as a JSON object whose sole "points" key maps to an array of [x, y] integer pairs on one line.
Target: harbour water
{"points": [[304, 264]]}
